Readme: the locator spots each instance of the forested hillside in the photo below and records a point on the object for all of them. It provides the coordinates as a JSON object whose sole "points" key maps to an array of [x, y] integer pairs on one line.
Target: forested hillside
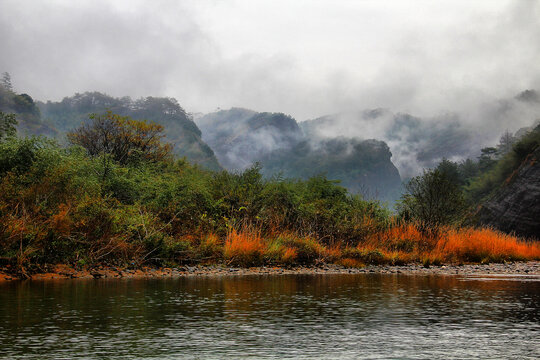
{"points": [[421, 142], [362, 166], [500, 188], [415, 143], [241, 137], [180, 130], [54, 119]]}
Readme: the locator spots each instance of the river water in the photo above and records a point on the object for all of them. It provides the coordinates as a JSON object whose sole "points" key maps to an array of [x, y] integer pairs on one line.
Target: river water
{"points": [[362, 316]]}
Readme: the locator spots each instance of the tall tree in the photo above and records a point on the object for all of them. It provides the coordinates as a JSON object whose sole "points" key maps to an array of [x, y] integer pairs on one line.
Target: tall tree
{"points": [[8, 122], [6, 81], [124, 139], [434, 198], [505, 143]]}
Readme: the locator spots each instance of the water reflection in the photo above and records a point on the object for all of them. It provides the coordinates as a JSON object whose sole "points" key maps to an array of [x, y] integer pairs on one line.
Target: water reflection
{"points": [[297, 316]]}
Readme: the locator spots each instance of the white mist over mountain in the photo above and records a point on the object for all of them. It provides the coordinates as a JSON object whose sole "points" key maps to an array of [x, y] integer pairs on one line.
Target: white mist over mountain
{"points": [[453, 64]]}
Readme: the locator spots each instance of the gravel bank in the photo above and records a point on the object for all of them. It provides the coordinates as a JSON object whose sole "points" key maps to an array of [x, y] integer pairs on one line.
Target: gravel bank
{"points": [[527, 269]]}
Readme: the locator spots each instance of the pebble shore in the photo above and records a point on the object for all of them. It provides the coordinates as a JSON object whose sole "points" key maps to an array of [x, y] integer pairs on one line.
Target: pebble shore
{"points": [[529, 269]]}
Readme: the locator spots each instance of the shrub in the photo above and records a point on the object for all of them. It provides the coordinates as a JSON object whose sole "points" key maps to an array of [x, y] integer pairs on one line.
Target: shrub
{"points": [[433, 199]]}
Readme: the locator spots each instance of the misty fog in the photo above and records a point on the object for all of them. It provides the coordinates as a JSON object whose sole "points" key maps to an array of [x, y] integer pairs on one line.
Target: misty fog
{"points": [[447, 68]]}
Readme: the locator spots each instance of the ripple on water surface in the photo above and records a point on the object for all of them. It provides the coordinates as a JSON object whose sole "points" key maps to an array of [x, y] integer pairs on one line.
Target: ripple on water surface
{"points": [[272, 317]]}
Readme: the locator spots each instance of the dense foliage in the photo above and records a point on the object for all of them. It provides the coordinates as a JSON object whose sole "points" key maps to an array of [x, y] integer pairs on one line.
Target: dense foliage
{"points": [[433, 199], [124, 139], [7, 125], [498, 170], [60, 204], [363, 166], [28, 113]]}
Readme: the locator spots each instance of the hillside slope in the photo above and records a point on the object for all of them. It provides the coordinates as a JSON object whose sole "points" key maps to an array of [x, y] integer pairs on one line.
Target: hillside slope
{"points": [[180, 130], [362, 166], [241, 137], [27, 111]]}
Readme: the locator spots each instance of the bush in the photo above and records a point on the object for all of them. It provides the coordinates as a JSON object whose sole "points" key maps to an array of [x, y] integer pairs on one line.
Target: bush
{"points": [[433, 199]]}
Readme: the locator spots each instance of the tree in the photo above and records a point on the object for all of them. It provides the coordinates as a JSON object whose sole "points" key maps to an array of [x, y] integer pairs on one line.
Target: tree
{"points": [[506, 142], [8, 124], [487, 158], [6, 81], [434, 199], [450, 170], [123, 139]]}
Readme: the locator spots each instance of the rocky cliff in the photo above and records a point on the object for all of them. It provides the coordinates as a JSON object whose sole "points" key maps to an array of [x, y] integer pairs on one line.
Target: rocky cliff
{"points": [[515, 207]]}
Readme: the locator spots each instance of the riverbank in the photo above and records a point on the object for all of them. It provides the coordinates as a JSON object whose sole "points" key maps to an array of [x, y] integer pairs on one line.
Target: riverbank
{"points": [[67, 272]]}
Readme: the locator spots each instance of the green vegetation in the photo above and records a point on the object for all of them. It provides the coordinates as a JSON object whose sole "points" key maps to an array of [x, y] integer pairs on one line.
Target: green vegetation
{"points": [[362, 166], [27, 111], [492, 176], [118, 202], [55, 119], [434, 199], [445, 194], [179, 129], [7, 125]]}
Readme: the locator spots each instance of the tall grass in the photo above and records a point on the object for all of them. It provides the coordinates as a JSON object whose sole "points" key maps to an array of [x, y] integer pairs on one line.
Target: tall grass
{"points": [[484, 245], [245, 248], [410, 243], [399, 244]]}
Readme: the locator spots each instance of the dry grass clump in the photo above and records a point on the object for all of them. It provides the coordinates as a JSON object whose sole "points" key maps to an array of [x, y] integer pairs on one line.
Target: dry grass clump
{"points": [[405, 243], [484, 245], [210, 248], [244, 248], [398, 245]]}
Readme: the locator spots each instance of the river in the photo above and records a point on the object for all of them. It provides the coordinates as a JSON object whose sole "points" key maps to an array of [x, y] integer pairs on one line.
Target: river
{"points": [[361, 316]]}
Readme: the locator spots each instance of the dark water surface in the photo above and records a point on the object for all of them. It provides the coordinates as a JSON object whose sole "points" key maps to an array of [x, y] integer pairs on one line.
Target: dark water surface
{"points": [[272, 317]]}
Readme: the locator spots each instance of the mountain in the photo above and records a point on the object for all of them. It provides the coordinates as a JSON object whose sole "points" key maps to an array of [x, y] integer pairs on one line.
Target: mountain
{"points": [[514, 204], [180, 130], [241, 137], [414, 142], [418, 142], [362, 166]]}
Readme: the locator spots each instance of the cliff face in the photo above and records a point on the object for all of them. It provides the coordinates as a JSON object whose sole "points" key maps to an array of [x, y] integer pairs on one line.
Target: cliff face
{"points": [[516, 206], [363, 166]]}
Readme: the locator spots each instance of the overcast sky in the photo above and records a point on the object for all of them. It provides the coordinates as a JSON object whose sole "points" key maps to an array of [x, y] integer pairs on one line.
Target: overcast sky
{"points": [[305, 58]]}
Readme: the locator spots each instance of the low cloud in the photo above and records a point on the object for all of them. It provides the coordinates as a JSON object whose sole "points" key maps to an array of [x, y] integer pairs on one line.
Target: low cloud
{"points": [[305, 58]]}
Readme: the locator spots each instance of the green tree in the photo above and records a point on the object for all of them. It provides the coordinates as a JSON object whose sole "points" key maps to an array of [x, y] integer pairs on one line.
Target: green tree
{"points": [[506, 142], [8, 124], [487, 158], [124, 139], [434, 198]]}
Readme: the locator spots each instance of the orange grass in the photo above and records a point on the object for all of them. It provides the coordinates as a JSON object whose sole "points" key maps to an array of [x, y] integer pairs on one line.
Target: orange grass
{"points": [[484, 245], [289, 255], [397, 245], [407, 243], [244, 248]]}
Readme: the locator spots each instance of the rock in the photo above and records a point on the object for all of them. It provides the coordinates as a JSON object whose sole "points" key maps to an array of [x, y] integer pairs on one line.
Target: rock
{"points": [[515, 207]]}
